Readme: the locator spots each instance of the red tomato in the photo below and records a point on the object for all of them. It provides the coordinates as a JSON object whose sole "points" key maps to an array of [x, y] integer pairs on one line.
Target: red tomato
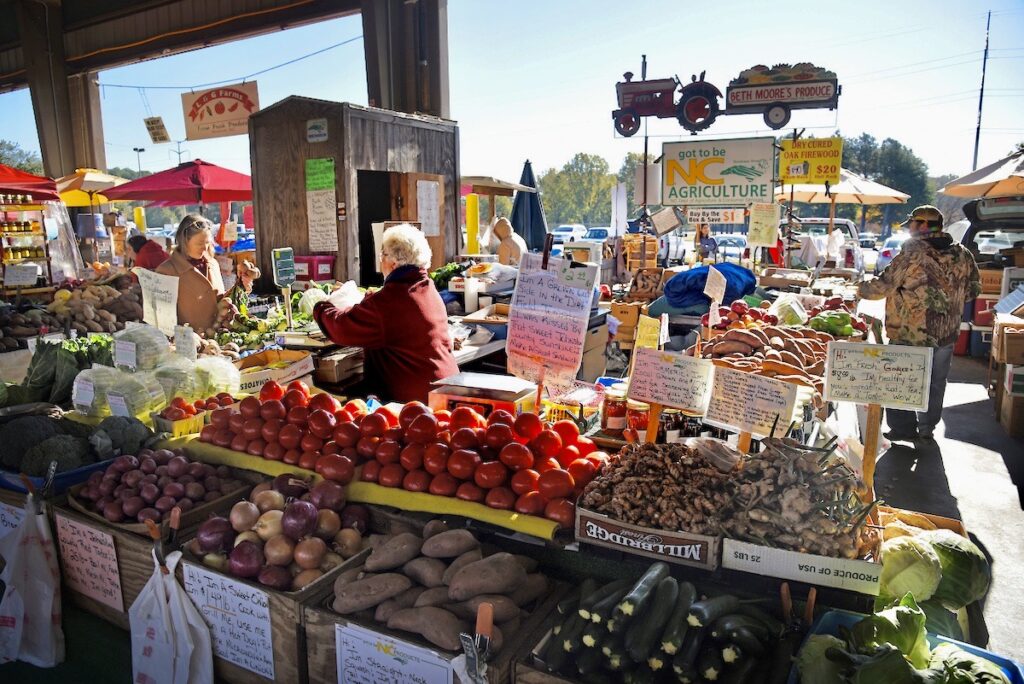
{"points": [[464, 438], [416, 481], [174, 413], [179, 402], [530, 503], [391, 475], [370, 471], [599, 458], [443, 484], [212, 405], [443, 416], [273, 410], [516, 456], [463, 463], [524, 481], [487, 454], [410, 412], [498, 435], [292, 456], [468, 491], [308, 459], [435, 458], [322, 401], [293, 398], [583, 471], [528, 425], [546, 444], [274, 452], [463, 417], [250, 407], [298, 416], [270, 430], [289, 436], [336, 467], [252, 429], [567, 430], [395, 433], [310, 442], [567, 455], [561, 511], [222, 438], [346, 434], [388, 451], [225, 399], [271, 390], [412, 457], [206, 434], [199, 405], [555, 483], [342, 416], [373, 425], [501, 498], [322, 423], [444, 435], [357, 407], [298, 386], [219, 418], [239, 443], [542, 465], [366, 447], [189, 410], [236, 422], [330, 448], [422, 429], [351, 454], [389, 414], [501, 416], [490, 475], [585, 445]]}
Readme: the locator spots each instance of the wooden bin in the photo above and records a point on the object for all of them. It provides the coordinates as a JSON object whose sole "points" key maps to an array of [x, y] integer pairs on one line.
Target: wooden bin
{"points": [[530, 669], [320, 621]]}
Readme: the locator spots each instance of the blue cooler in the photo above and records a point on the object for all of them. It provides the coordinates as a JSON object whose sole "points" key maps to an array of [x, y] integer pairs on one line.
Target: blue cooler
{"points": [[981, 341]]}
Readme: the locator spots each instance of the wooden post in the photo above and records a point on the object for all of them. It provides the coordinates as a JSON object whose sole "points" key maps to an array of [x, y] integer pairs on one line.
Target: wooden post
{"points": [[540, 392], [831, 214], [743, 443], [653, 420], [874, 427]]}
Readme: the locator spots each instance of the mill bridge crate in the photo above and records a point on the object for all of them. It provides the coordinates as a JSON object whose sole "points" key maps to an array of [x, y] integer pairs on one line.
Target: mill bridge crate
{"points": [[679, 547]]}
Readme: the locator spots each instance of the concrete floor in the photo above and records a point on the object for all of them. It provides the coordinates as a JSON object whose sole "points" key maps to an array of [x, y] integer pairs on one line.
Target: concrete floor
{"points": [[974, 472]]}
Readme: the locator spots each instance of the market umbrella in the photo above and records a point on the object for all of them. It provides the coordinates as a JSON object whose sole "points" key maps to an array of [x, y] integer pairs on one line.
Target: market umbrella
{"points": [[194, 182], [83, 188], [17, 182], [851, 189], [1003, 178], [528, 213]]}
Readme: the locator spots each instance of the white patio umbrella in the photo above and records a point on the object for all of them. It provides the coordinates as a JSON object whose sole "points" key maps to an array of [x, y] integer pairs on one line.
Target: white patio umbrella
{"points": [[1001, 179], [851, 189]]}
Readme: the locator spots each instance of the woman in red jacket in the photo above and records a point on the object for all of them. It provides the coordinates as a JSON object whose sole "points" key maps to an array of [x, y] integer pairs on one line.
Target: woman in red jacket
{"points": [[403, 327], [145, 253]]}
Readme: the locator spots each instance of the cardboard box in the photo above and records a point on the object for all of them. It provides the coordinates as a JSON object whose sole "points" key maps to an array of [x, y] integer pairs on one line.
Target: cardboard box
{"points": [[483, 392], [981, 341], [340, 365], [593, 364], [861, 576], [1013, 380], [681, 548], [625, 333], [1013, 278], [991, 280], [1008, 339], [495, 314], [627, 313], [282, 365], [1011, 415]]}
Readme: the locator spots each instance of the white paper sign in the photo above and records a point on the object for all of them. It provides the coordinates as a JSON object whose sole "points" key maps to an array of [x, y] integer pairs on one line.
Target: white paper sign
{"points": [[185, 342], [50, 337], [893, 376], [764, 225], [321, 219], [21, 275], [749, 403], [89, 560], [851, 574], [367, 657], [10, 518], [715, 285], [671, 379], [547, 322], [159, 299], [125, 354], [713, 215], [238, 616], [118, 405], [231, 231], [428, 207]]}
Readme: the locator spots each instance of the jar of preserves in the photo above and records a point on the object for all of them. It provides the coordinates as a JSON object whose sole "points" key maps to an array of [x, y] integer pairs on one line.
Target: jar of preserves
{"points": [[613, 411], [637, 414], [671, 425]]}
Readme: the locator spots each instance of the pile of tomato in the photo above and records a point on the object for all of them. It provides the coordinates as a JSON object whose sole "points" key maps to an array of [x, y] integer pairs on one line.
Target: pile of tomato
{"points": [[181, 408]]}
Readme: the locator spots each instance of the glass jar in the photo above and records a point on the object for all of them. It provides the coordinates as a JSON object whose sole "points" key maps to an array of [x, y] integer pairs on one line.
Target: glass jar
{"points": [[671, 425], [637, 414], [613, 411]]}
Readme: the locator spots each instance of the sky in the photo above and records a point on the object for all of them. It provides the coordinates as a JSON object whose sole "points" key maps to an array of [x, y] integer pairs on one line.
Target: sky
{"points": [[535, 79]]}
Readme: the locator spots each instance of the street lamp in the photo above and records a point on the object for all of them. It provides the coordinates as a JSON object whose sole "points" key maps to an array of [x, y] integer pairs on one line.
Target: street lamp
{"points": [[138, 156]]}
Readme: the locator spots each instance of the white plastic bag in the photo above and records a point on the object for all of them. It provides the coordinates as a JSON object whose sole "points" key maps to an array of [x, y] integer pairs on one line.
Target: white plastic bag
{"points": [[346, 296], [170, 642], [30, 616]]}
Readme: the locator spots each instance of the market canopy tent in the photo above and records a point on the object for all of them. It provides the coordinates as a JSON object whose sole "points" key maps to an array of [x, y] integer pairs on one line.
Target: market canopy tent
{"points": [[851, 189], [527, 212], [83, 188], [194, 182], [17, 182], [1003, 178]]}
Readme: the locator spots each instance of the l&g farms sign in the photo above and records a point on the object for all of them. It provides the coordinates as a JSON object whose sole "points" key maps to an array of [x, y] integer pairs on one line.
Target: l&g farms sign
{"points": [[718, 172], [220, 111]]}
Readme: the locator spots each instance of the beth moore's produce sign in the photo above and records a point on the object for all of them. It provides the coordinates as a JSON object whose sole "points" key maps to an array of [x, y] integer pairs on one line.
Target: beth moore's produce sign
{"points": [[220, 111], [718, 172], [784, 84], [683, 548]]}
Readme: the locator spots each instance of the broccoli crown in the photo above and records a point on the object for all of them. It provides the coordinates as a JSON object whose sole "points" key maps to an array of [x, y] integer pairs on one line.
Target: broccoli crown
{"points": [[69, 453], [127, 435], [20, 435]]}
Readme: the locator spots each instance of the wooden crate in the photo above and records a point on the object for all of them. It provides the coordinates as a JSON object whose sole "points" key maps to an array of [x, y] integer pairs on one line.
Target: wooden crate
{"points": [[320, 623], [531, 670]]}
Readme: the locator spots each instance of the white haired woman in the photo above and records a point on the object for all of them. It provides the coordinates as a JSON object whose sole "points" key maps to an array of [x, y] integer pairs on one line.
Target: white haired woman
{"points": [[200, 285], [403, 327]]}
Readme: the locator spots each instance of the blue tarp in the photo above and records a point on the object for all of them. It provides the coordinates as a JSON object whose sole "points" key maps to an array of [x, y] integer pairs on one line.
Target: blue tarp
{"points": [[687, 288]]}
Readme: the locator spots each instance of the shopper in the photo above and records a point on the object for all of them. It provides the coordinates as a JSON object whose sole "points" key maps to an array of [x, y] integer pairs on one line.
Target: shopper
{"points": [[707, 246], [199, 280], [403, 326], [925, 288], [145, 253]]}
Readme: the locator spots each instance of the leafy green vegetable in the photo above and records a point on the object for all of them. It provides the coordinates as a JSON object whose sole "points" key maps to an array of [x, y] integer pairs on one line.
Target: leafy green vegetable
{"points": [[909, 565], [118, 435], [963, 667], [966, 574], [69, 453], [21, 434], [813, 663], [940, 621], [901, 625], [443, 275], [886, 664]]}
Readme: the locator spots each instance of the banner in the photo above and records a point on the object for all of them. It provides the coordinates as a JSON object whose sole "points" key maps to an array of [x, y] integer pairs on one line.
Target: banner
{"points": [[219, 112], [764, 225], [713, 215], [718, 172], [810, 160]]}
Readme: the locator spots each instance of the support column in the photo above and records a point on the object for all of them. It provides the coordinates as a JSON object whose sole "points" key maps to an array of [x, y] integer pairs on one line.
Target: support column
{"points": [[87, 121]]}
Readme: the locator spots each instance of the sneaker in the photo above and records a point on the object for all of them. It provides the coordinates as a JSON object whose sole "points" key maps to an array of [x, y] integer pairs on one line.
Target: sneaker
{"points": [[894, 436]]}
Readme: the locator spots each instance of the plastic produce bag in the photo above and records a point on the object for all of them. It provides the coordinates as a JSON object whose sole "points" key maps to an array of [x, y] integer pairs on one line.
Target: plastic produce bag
{"points": [[140, 394], [89, 393], [170, 642], [30, 616], [151, 347], [180, 378], [346, 296], [789, 310], [218, 375]]}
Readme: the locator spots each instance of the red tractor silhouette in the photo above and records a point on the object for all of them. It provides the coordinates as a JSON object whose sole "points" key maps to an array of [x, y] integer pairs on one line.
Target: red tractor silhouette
{"points": [[696, 109]]}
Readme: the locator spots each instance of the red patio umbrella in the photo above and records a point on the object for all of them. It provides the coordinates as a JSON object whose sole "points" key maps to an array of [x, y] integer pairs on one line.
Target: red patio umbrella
{"points": [[17, 182], [194, 182]]}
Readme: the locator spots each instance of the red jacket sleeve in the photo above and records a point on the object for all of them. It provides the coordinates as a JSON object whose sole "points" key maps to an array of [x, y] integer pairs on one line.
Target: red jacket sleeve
{"points": [[359, 326]]}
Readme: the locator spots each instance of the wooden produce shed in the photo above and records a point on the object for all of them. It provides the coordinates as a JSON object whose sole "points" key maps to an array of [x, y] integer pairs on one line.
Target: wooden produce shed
{"points": [[382, 166]]}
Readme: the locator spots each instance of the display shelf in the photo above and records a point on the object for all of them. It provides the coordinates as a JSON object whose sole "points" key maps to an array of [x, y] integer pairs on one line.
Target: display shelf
{"points": [[24, 259], [23, 234], [21, 207]]}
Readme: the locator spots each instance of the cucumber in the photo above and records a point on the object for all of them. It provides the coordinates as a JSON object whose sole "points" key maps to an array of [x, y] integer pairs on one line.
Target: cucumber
{"points": [[725, 625], [703, 613], [602, 610], [588, 661], [641, 640], [640, 595], [782, 656], [595, 597], [593, 635], [748, 641], [571, 635], [675, 628], [709, 663], [740, 673], [684, 664], [774, 625], [569, 604]]}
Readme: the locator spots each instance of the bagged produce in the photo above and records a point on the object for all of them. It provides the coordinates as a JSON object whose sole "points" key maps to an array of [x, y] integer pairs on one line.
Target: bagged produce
{"points": [[135, 394], [89, 392], [181, 378], [218, 375], [788, 310], [151, 348]]}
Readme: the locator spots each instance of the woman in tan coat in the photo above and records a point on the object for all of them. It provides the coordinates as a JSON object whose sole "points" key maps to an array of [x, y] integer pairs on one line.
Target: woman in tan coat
{"points": [[199, 280]]}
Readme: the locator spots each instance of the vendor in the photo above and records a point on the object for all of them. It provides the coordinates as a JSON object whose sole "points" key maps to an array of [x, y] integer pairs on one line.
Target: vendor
{"points": [[706, 246], [199, 281], [403, 327], [144, 253]]}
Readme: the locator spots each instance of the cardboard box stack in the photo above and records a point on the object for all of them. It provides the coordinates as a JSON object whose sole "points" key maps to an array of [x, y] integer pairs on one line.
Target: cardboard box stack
{"points": [[628, 315], [1008, 352]]}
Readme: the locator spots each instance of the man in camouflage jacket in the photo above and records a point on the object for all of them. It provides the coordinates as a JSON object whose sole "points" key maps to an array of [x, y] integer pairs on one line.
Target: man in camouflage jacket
{"points": [[925, 288]]}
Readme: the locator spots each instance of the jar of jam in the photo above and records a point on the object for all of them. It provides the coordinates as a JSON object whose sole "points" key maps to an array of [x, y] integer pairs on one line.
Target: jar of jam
{"points": [[637, 414], [671, 425], [613, 411]]}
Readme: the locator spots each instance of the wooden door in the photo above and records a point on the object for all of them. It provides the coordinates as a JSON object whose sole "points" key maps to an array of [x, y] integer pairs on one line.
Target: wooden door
{"points": [[408, 190]]}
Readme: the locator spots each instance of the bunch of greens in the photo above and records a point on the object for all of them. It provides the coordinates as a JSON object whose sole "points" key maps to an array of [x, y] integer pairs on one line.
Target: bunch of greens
{"points": [[53, 368], [443, 275]]}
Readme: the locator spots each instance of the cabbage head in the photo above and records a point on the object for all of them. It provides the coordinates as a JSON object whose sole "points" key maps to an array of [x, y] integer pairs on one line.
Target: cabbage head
{"points": [[814, 665], [966, 574], [909, 564]]}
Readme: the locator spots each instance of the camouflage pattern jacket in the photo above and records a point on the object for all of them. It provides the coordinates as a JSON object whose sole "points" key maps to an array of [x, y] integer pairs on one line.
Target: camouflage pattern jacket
{"points": [[926, 286]]}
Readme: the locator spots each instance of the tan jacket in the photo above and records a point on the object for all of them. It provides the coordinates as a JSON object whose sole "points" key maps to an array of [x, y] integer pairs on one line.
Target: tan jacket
{"points": [[197, 295]]}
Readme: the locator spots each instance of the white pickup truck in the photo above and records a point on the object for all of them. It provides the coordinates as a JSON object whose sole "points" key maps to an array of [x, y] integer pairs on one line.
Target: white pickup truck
{"points": [[812, 239]]}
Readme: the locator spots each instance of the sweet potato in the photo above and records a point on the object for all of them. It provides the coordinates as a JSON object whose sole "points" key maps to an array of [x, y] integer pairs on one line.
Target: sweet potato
{"points": [[497, 574], [394, 553], [535, 586], [438, 596], [375, 540], [449, 544], [456, 565], [504, 608], [436, 625], [367, 593], [529, 564], [434, 527], [510, 627], [425, 571], [350, 575], [407, 599], [386, 609]]}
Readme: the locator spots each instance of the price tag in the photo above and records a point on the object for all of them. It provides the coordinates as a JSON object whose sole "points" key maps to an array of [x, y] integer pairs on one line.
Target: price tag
{"points": [[83, 392], [10, 518], [367, 657], [670, 379], [714, 288], [20, 275], [124, 354], [185, 342], [89, 560], [118, 405], [891, 375], [749, 403]]}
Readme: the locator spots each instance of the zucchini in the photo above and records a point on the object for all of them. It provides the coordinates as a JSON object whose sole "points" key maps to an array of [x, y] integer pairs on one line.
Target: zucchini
{"points": [[675, 628], [617, 662], [639, 596], [640, 641], [570, 603], [554, 655], [593, 635], [684, 664], [731, 653], [613, 644], [709, 663], [595, 597], [602, 610], [571, 635], [775, 626], [782, 656], [617, 625], [725, 625], [741, 673], [748, 641], [703, 613], [659, 660], [640, 675], [588, 661]]}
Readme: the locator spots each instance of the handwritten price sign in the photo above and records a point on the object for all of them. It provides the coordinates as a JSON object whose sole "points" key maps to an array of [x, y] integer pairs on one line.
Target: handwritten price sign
{"points": [[366, 657], [90, 562], [670, 379], [890, 375]]}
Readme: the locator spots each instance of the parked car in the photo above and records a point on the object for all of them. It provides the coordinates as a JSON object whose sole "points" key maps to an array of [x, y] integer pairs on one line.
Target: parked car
{"points": [[731, 246], [890, 248], [851, 257], [598, 234], [868, 241], [569, 232], [995, 223], [673, 246]]}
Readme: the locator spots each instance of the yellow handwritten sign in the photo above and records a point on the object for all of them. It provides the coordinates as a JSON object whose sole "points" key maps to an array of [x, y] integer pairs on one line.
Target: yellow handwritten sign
{"points": [[811, 160], [648, 332]]}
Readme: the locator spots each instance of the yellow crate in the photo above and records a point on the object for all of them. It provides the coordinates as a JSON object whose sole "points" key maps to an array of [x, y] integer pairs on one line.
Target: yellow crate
{"points": [[179, 428]]}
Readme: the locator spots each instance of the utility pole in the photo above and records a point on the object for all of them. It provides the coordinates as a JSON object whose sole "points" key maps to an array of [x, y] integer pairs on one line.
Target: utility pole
{"points": [[981, 95], [138, 157], [178, 151]]}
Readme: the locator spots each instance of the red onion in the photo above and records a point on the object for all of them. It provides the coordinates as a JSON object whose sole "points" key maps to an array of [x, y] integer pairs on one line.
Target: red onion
{"points": [[245, 560], [177, 466], [291, 485], [149, 514], [149, 492], [328, 494], [175, 489], [163, 456], [299, 519], [355, 516], [215, 534], [96, 477], [132, 506], [195, 491], [148, 479], [223, 471], [185, 504], [197, 470], [275, 577], [161, 471], [164, 504], [125, 463], [112, 512], [212, 483], [186, 479]]}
